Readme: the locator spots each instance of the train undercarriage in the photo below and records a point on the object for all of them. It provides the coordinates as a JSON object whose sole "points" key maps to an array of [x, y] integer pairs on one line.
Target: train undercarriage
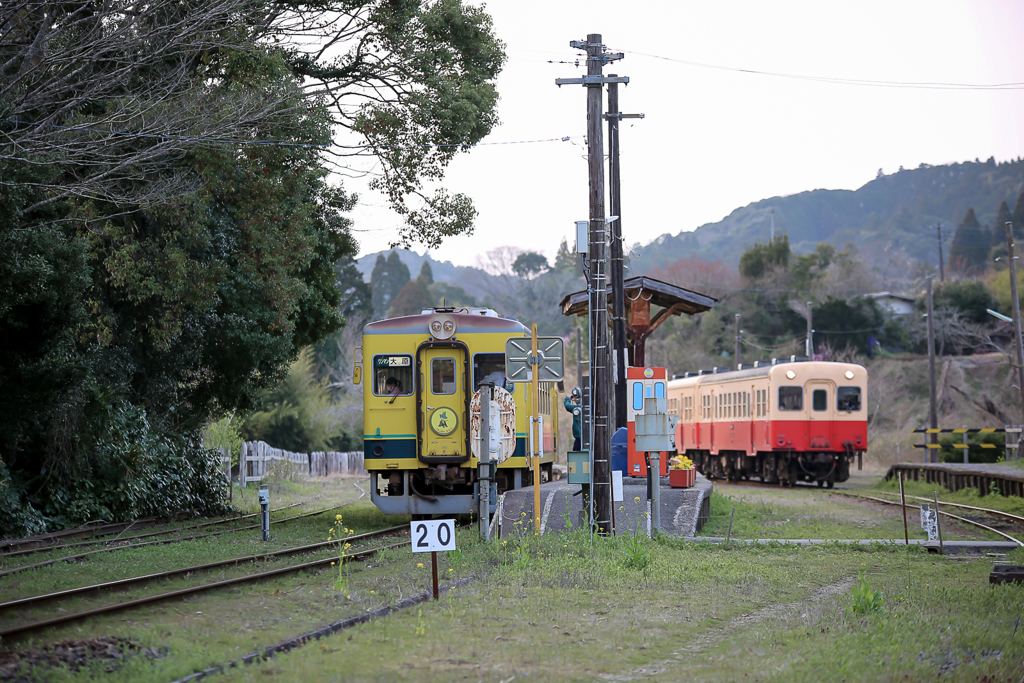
{"points": [[779, 467]]}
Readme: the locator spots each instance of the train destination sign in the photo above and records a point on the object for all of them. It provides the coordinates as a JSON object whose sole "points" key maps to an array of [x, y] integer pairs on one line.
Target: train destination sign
{"points": [[392, 361]]}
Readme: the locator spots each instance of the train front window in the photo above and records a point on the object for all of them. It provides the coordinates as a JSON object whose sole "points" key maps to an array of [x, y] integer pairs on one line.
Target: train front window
{"points": [[791, 398], [848, 399], [442, 375], [819, 400], [392, 375], [490, 368]]}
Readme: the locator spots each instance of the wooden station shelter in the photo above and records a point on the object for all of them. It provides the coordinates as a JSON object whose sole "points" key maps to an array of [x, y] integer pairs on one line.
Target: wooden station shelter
{"points": [[642, 294]]}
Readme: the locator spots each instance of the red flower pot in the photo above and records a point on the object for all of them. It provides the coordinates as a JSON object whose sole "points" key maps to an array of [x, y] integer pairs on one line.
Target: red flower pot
{"points": [[681, 479]]}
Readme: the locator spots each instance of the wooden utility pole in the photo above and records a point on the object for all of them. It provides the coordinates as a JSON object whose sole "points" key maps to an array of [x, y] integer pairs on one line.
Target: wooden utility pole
{"points": [[600, 379], [737, 353], [618, 294], [1016, 310], [933, 417], [810, 331], [942, 268]]}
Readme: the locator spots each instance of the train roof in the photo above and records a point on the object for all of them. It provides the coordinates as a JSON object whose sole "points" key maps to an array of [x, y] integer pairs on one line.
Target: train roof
{"points": [[762, 371], [467, 321]]}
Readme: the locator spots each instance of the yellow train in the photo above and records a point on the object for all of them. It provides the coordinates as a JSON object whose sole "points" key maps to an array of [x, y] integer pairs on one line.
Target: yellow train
{"points": [[421, 410]]}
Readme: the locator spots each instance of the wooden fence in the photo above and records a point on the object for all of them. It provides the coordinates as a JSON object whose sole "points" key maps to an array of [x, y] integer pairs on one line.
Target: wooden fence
{"points": [[256, 457]]}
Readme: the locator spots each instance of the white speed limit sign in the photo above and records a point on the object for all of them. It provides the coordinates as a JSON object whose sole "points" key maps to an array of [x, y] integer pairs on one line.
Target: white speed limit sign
{"points": [[435, 535]]}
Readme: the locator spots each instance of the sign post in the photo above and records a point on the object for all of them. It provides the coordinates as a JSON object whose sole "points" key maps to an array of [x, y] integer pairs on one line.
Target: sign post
{"points": [[543, 362], [433, 536]]}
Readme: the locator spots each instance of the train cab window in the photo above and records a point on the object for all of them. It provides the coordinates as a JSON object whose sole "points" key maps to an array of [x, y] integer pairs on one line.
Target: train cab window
{"points": [[819, 400], [490, 367], [442, 375], [659, 390], [392, 375], [638, 395], [791, 398], [848, 399]]}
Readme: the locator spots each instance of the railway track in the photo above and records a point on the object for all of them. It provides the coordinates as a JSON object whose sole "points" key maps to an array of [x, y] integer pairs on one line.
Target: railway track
{"points": [[16, 631], [119, 529], [167, 541], [941, 512]]}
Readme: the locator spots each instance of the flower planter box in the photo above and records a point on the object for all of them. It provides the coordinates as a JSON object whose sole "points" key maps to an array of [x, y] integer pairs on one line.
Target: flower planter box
{"points": [[681, 479]]}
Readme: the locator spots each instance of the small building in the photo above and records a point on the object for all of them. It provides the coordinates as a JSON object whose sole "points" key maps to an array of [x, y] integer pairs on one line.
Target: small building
{"points": [[893, 304]]}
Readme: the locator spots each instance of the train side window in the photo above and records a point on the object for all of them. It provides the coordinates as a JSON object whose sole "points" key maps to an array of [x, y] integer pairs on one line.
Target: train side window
{"points": [[791, 398], [819, 400], [392, 375], [848, 399]]}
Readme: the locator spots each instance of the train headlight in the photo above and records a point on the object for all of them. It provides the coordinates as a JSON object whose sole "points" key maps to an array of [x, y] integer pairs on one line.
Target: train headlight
{"points": [[790, 374], [442, 326], [849, 374]]}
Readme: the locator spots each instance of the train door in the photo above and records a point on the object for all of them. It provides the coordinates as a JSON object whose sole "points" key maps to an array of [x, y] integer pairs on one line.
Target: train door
{"points": [[443, 402], [822, 415]]}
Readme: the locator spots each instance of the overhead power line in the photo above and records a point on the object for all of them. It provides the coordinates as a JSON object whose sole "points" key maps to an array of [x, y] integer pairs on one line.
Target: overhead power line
{"points": [[924, 85], [272, 143]]}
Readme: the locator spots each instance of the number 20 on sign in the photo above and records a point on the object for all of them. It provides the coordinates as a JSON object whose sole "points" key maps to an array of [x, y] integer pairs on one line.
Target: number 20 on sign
{"points": [[432, 536]]}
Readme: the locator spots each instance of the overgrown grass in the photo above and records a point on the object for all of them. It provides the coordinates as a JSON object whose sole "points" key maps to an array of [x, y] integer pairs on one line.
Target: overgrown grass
{"points": [[802, 512], [994, 500], [556, 608]]}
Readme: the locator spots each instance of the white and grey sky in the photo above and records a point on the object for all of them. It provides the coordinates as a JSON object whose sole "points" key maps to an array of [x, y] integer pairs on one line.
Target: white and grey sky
{"points": [[716, 139]]}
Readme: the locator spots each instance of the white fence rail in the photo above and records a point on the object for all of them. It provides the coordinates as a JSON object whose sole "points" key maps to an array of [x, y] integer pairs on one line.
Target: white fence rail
{"points": [[257, 457]]}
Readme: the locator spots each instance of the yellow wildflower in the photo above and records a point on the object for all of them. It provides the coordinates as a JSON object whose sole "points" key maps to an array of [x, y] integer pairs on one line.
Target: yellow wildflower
{"points": [[419, 565]]}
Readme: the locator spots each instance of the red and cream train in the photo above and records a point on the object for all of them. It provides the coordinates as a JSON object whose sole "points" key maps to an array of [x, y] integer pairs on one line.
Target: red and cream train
{"points": [[783, 422]]}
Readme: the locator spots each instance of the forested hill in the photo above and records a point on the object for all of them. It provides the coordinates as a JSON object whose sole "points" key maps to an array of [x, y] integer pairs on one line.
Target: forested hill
{"points": [[893, 216]]}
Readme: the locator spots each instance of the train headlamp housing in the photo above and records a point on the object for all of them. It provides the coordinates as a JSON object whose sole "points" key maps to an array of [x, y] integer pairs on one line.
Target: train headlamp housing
{"points": [[442, 326], [790, 374], [849, 374]]}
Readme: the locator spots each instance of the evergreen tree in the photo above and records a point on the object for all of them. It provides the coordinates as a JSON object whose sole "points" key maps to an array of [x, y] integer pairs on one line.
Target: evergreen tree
{"points": [[999, 229], [413, 298], [970, 243], [426, 273], [760, 258], [1018, 216], [565, 260], [377, 288], [529, 264]]}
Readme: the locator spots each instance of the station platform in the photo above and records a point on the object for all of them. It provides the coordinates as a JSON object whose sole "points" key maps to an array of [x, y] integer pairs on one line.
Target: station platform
{"points": [[1006, 479], [683, 511]]}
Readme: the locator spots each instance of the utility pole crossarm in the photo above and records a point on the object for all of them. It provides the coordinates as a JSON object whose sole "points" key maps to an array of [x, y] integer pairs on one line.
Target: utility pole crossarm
{"points": [[592, 81]]}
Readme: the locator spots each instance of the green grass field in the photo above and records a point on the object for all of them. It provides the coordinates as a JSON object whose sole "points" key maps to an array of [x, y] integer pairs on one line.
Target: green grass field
{"points": [[560, 609]]}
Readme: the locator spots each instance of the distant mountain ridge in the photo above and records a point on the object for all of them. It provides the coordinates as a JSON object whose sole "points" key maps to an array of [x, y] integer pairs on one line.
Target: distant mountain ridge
{"points": [[891, 216]]}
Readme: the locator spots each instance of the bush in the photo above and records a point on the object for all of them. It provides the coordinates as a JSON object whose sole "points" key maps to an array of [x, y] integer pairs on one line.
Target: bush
{"points": [[951, 453], [126, 469]]}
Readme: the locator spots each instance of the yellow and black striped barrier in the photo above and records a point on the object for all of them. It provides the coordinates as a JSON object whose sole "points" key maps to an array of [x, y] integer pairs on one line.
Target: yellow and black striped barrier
{"points": [[958, 445], [964, 430]]}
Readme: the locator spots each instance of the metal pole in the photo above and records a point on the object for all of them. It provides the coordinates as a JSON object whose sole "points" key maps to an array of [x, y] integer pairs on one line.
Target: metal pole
{"points": [[484, 467], [656, 492], [617, 275], [966, 461], [933, 417], [737, 353], [538, 440], [810, 331], [601, 444], [1016, 309], [903, 504], [938, 522], [942, 268], [433, 570]]}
